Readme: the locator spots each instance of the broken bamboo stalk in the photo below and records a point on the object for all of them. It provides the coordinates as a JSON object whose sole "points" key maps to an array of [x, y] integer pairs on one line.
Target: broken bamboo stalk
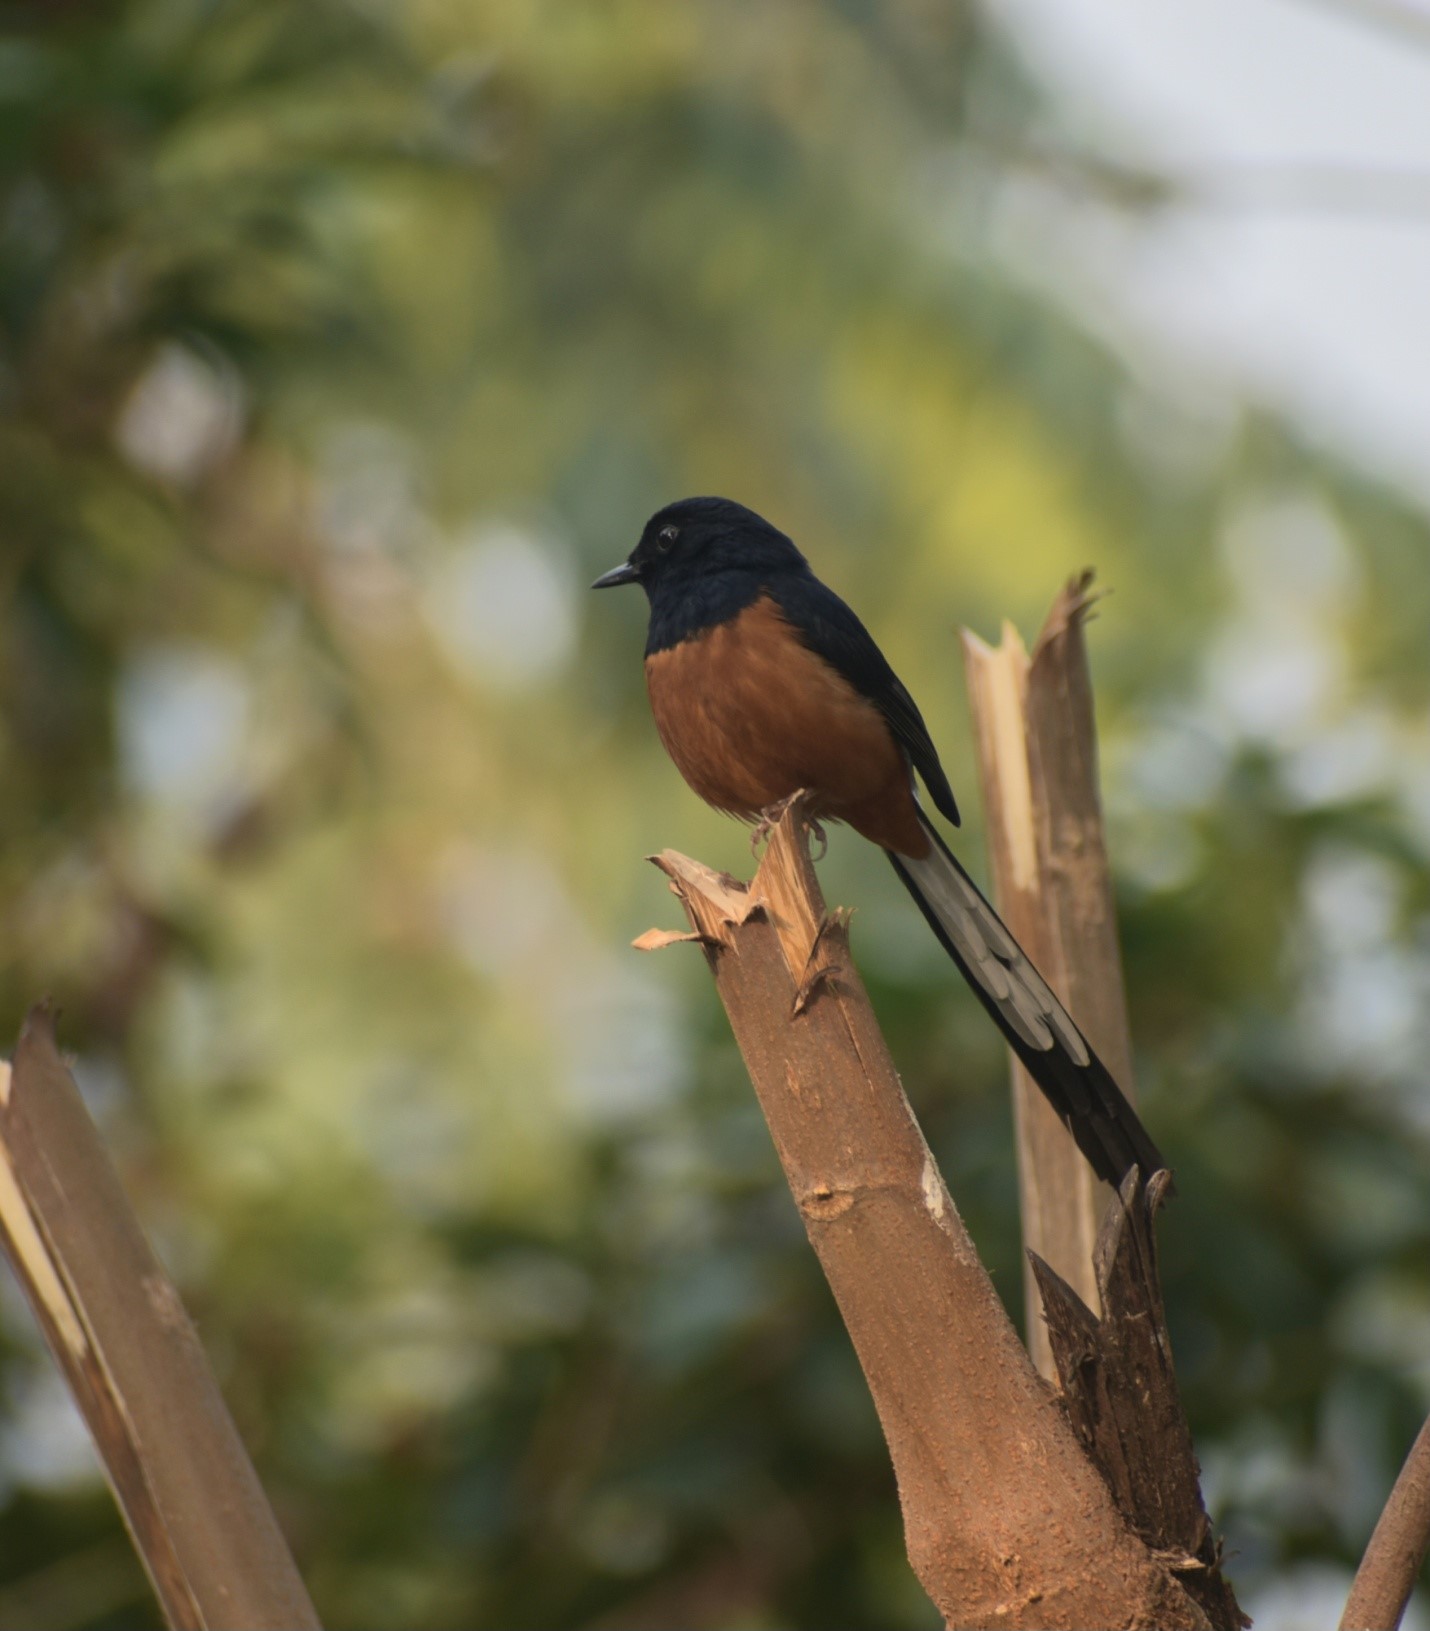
{"points": [[1120, 1392], [1037, 746], [195, 1510], [1006, 1519]]}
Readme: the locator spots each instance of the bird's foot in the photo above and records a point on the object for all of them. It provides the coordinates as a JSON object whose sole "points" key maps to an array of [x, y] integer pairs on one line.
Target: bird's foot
{"points": [[820, 837], [770, 818], [762, 829]]}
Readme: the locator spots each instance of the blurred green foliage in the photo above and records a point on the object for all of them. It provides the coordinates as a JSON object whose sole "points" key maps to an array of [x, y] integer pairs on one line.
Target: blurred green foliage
{"points": [[340, 346]]}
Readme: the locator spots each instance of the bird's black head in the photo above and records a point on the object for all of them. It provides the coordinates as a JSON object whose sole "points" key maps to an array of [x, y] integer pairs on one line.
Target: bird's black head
{"points": [[702, 537], [700, 561]]}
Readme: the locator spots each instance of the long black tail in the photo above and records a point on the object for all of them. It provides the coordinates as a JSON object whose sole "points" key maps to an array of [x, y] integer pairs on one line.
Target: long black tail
{"points": [[1038, 1028]]}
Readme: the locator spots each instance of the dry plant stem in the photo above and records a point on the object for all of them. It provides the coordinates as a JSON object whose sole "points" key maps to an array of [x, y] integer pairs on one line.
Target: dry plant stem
{"points": [[195, 1510], [1007, 1521], [1397, 1548], [1121, 1396], [1037, 745]]}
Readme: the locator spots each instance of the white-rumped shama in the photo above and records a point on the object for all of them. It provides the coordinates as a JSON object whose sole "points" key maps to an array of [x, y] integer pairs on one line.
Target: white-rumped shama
{"points": [[763, 682]]}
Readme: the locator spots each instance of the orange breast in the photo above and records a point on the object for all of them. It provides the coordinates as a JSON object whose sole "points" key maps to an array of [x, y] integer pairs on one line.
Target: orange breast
{"points": [[750, 715]]}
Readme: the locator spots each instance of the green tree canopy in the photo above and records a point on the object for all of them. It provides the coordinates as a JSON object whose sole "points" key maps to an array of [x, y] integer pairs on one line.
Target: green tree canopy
{"points": [[340, 346]]}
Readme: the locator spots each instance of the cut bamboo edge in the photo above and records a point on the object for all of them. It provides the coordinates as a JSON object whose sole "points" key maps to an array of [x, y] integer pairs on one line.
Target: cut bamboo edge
{"points": [[114, 1323], [1037, 751], [1037, 745], [1007, 1518]]}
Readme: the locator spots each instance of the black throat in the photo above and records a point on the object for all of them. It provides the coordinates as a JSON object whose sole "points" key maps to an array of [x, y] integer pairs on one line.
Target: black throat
{"points": [[684, 606]]}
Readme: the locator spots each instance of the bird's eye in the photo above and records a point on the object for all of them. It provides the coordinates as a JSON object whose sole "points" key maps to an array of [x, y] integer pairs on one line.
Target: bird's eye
{"points": [[666, 537]]}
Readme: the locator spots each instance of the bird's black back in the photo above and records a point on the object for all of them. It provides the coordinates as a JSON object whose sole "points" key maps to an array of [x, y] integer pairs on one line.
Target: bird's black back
{"points": [[832, 631]]}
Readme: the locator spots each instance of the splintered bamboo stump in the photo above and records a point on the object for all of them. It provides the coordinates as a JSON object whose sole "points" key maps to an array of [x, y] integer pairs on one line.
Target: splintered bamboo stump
{"points": [[1037, 745], [1120, 1393], [1007, 1521]]}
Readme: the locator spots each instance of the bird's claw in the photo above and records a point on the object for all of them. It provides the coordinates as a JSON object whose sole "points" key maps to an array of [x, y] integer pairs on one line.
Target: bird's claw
{"points": [[770, 818]]}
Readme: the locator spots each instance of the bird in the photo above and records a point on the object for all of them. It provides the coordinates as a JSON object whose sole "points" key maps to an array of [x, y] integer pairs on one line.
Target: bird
{"points": [[763, 684]]}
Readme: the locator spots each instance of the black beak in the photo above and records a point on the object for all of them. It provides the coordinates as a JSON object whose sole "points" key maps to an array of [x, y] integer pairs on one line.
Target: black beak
{"points": [[624, 573]]}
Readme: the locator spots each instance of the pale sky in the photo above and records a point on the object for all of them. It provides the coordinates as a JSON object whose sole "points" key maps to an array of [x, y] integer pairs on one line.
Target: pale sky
{"points": [[1323, 310]]}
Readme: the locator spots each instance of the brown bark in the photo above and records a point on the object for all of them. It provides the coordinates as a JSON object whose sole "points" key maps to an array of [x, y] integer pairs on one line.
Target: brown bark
{"points": [[1397, 1548], [1037, 743], [1006, 1519], [1121, 1396], [195, 1510]]}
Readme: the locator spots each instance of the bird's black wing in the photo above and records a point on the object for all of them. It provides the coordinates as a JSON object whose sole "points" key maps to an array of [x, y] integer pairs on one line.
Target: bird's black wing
{"points": [[830, 630]]}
